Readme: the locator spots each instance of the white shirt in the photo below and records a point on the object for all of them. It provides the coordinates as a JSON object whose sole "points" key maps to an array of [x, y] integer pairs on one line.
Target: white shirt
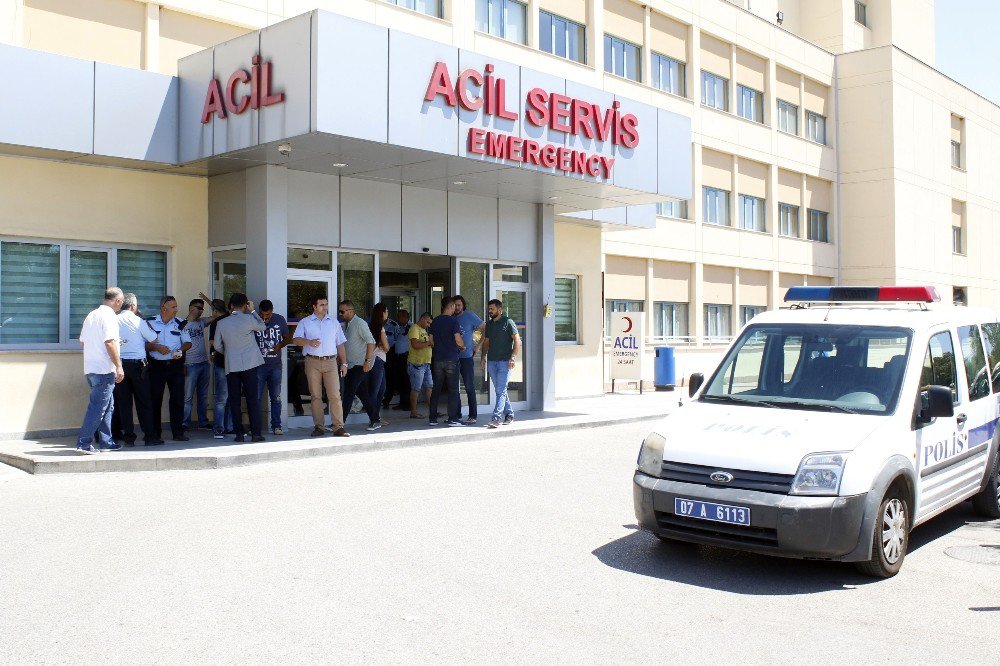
{"points": [[100, 326], [134, 335], [327, 330], [169, 335]]}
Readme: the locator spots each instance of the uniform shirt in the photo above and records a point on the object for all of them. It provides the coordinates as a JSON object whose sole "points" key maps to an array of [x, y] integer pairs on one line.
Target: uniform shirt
{"points": [[168, 334], [197, 354], [469, 321], [100, 326], [402, 345], [443, 330], [392, 333], [359, 336], [275, 330], [500, 332], [134, 336], [418, 356], [327, 330]]}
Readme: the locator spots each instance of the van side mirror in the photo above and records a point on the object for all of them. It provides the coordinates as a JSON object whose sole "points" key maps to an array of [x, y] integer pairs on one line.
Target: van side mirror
{"points": [[695, 382], [936, 401]]}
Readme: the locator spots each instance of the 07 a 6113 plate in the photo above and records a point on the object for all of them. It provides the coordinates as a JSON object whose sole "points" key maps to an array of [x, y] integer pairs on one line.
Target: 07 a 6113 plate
{"points": [[720, 513]]}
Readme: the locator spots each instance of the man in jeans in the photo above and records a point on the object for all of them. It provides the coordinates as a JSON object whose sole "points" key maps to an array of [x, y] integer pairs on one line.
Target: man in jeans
{"points": [[220, 411], [501, 346], [196, 368], [446, 340], [235, 337], [274, 336], [470, 323], [102, 367]]}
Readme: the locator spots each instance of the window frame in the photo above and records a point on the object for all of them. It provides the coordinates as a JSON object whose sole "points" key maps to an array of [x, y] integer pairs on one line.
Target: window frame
{"points": [[957, 240], [791, 208], [683, 209], [811, 116], [609, 63], [66, 341], [790, 111], [707, 75], [757, 100], [660, 308], [402, 4], [553, 18], [759, 212], [705, 191], [718, 309], [609, 308], [752, 310], [826, 225], [655, 79], [956, 154], [576, 313], [861, 13], [501, 33]]}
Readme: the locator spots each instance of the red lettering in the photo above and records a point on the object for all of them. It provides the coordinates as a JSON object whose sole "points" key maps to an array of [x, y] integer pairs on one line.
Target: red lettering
{"points": [[239, 76], [514, 149], [491, 93], [579, 162], [583, 115], [549, 155], [440, 84], [477, 141], [604, 126], [537, 111], [607, 163], [618, 124], [473, 103], [267, 97], [563, 159], [213, 102], [559, 108], [496, 145], [630, 131], [255, 83], [593, 165], [501, 95], [531, 152]]}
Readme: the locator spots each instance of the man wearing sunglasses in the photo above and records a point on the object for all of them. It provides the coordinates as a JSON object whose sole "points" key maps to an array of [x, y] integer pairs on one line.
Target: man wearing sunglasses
{"points": [[360, 348], [196, 368]]}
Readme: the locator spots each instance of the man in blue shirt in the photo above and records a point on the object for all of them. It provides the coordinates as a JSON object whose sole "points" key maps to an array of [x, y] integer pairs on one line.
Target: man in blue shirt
{"points": [[446, 339], [271, 340], [470, 323]]}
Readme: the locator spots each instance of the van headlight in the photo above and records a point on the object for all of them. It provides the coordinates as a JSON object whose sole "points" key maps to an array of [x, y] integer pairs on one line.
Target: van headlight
{"points": [[819, 474], [651, 454]]}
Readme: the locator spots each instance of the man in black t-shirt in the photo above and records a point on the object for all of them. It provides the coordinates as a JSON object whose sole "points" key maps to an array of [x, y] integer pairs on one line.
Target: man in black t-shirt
{"points": [[446, 338]]}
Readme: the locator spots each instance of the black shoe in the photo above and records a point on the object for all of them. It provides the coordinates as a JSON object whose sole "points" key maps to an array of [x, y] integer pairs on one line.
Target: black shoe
{"points": [[154, 442], [258, 438], [299, 411], [128, 445], [240, 439], [230, 432], [181, 438]]}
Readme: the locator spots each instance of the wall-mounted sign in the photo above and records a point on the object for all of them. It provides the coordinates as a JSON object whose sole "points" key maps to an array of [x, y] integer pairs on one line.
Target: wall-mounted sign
{"points": [[626, 345], [474, 91], [236, 98]]}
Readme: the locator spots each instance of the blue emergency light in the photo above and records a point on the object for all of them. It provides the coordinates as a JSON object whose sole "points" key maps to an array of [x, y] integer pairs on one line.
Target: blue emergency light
{"points": [[862, 295]]}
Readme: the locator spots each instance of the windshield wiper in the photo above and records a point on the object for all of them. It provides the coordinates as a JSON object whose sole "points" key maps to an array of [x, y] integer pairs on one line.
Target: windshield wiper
{"points": [[824, 406], [739, 401]]}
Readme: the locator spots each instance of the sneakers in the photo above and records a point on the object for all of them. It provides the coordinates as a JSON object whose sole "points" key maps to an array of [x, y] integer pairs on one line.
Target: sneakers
{"points": [[470, 421], [110, 446], [509, 419], [277, 431], [453, 423], [218, 434], [494, 423], [86, 448], [317, 432], [240, 439], [432, 423], [374, 425]]}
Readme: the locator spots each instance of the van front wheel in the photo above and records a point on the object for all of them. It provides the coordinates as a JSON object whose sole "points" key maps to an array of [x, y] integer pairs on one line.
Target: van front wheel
{"points": [[987, 502], [890, 538]]}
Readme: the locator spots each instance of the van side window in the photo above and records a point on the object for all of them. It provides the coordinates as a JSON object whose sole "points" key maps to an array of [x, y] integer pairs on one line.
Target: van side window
{"points": [[939, 364], [992, 334], [975, 362]]}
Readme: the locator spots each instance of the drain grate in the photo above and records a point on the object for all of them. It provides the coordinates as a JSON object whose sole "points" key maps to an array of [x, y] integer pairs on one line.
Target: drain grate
{"points": [[984, 554]]}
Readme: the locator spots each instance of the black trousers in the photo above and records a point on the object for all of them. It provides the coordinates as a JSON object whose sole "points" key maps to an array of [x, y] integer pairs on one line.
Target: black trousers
{"points": [[390, 378], [356, 384], [133, 389], [247, 382], [167, 375], [445, 375], [400, 380]]}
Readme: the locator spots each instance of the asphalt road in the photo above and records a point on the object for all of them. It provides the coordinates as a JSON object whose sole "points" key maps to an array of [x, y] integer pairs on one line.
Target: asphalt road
{"points": [[516, 550]]}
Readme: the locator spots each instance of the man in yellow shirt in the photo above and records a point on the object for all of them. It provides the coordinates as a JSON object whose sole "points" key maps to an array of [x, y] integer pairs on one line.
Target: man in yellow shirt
{"points": [[418, 363]]}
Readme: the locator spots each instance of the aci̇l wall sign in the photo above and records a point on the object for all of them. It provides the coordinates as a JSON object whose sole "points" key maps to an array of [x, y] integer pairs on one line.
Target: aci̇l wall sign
{"points": [[236, 97]]}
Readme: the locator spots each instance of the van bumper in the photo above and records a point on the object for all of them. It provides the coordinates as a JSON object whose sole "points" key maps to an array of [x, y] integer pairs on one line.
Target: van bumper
{"points": [[827, 528]]}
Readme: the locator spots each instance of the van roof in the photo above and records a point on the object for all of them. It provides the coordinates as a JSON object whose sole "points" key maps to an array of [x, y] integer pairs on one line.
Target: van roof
{"points": [[880, 314]]}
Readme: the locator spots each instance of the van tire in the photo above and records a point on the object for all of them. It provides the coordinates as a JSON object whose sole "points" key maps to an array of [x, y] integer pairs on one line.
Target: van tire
{"points": [[987, 502], [891, 533]]}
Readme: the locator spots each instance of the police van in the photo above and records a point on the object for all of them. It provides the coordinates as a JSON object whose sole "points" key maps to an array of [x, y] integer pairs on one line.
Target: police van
{"points": [[831, 429]]}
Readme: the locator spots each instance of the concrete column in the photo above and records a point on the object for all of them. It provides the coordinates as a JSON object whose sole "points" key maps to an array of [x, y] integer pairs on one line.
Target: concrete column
{"points": [[696, 300], [695, 205], [540, 366], [595, 34], [151, 38], [803, 211], [732, 79], [773, 291], [771, 99], [533, 25], [771, 210], [650, 332], [734, 323], [647, 51], [734, 198], [693, 75], [267, 243], [802, 105]]}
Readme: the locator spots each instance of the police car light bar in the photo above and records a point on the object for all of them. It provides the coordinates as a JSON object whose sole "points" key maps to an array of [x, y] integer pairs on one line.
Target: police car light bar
{"points": [[862, 295]]}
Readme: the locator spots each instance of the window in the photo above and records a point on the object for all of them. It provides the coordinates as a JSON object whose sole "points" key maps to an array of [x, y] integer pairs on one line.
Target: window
{"points": [[562, 37], [975, 362], [957, 139], [750, 103], [717, 318], [47, 289], [861, 13], [748, 312], [716, 206], [678, 209], [714, 91], [956, 154], [959, 296], [622, 58], [788, 220], [620, 306], [815, 127], [567, 299], [429, 7], [503, 18], [751, 213], [818, 226], [788, 117], [668, 75], [939, 364], [956, 240], [670, 320], [991, 332]]}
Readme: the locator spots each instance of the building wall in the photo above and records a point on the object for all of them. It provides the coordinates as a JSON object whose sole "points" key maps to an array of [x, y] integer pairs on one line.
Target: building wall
{"points": [[578, 366], [61, 202]]}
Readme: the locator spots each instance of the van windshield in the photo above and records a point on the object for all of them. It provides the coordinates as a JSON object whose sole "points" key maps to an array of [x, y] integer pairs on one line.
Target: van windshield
{"points": [[822, 367]]}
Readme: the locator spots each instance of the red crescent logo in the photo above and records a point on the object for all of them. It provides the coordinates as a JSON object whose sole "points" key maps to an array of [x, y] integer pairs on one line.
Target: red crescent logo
{"points": [[629, 320]]}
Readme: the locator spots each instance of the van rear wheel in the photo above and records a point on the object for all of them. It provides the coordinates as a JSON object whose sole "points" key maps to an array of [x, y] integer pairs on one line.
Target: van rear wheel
{"points": [[890, 538], [987, 502]]}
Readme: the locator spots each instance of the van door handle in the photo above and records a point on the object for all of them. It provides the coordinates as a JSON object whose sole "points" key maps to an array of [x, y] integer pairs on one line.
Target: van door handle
{"points": [[961, 419]]}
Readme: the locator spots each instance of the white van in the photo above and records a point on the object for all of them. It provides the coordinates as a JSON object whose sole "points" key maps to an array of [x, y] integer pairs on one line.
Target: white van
{"points": [[831, 429]]}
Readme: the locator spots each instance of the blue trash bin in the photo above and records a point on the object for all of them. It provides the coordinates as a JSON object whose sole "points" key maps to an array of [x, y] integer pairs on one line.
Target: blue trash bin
{"points": [[664, 369]]}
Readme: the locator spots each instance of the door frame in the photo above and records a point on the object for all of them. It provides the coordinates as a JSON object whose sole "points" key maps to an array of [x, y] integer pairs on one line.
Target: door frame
{"points": [[330, 277]]}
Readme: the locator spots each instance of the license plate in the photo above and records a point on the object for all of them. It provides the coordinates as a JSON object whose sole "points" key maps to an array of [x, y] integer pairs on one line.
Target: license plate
{"points": [[720, 513]]}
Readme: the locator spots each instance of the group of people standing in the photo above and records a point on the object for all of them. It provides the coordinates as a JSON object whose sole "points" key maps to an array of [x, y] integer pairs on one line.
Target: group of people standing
{"points": [[130, 361]]}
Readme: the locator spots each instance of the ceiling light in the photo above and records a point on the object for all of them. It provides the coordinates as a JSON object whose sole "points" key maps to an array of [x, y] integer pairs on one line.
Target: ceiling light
{"points": [[340, 165], [285, 149], [553, 198], [459, 182]]}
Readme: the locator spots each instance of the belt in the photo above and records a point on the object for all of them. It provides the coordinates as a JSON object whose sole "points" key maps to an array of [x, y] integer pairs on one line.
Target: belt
{"points": [[134, 360], [171, 360], [320, 358]]}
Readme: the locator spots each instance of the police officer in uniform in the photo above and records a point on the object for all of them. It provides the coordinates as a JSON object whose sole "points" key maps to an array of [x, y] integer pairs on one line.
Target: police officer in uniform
{"points": [[166, 366], [135, 334]]}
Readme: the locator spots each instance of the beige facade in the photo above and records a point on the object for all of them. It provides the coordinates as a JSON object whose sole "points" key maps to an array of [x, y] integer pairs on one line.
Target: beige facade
{"points": [[843, 173]]}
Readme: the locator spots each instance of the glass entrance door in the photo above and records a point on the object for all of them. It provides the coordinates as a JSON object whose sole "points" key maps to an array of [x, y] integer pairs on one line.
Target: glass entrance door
{"points": [[302, 288], [515, 301]]}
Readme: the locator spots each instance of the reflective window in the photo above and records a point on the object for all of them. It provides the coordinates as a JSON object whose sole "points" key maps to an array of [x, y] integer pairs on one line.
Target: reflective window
{"points": [[991, 333], [752, 213], [29, 293], [939, 364], [716, 206], [562, 37], [975, 362], [503, 18], [714, 91], [788, 220], [718, 321], [668, 74], [566, 306], [818, 230], [815, 127], [622, 58], [750, 103], [678, 209], [670, 320], [788, 117]]}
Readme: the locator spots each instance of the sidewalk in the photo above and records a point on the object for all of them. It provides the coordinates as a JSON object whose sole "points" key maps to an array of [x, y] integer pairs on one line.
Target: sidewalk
{"points": [[59, 455]]}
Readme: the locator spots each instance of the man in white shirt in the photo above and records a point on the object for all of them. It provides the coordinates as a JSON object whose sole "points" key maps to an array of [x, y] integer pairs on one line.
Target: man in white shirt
{"points": [[135, 336], [166, 367], [322, 341], [102, 366]]}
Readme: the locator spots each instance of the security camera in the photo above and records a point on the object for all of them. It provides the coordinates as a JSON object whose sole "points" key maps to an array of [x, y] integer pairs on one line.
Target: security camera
{"points": [[426, 249], [285, 149]]}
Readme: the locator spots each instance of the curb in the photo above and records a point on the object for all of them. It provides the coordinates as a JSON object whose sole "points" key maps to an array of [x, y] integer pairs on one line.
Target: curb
{"points": [[87, 464]]}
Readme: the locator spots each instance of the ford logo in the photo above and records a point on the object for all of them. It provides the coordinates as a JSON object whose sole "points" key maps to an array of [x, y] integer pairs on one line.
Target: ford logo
{"points": [[721, 477]]}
